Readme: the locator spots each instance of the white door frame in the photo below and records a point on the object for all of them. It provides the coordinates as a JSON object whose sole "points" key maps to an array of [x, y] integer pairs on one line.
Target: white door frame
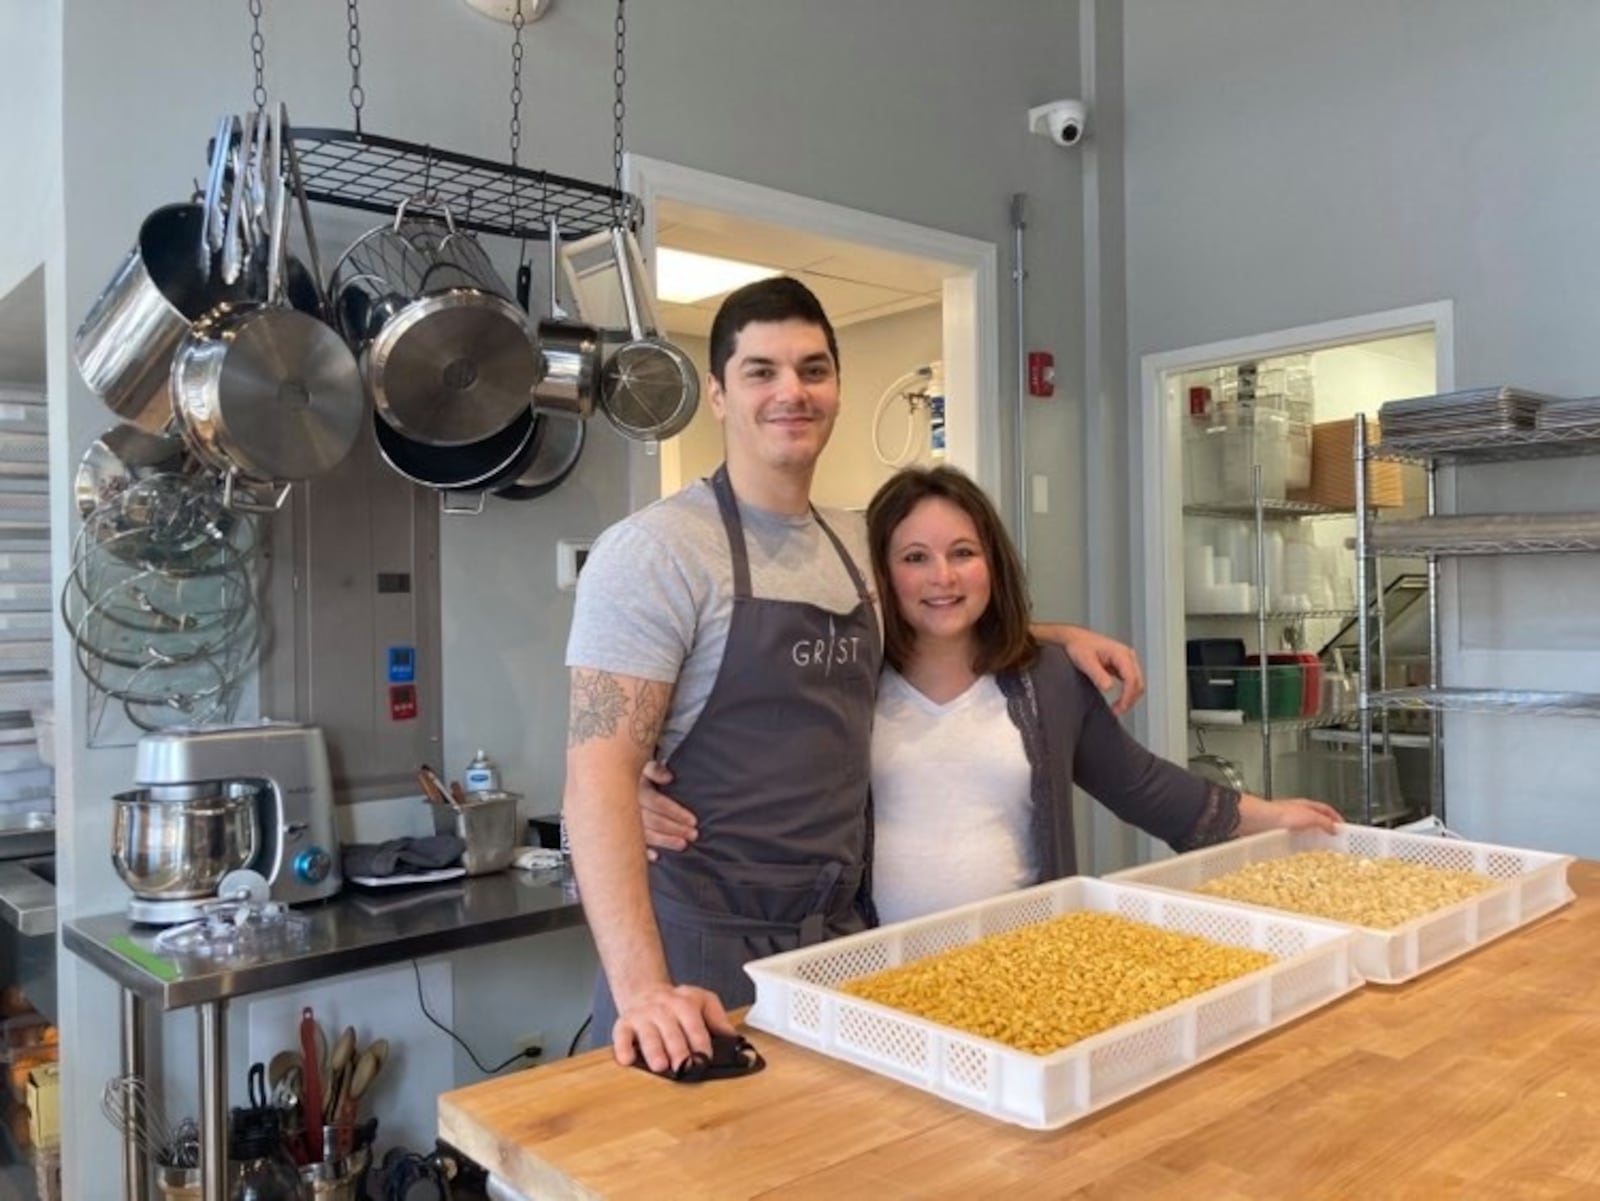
{"points": [[1158, 608], [971, 338]]}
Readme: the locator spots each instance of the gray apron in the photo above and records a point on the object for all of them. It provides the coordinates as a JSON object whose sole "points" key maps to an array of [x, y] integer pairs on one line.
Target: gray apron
{"points": [[776, 770]]}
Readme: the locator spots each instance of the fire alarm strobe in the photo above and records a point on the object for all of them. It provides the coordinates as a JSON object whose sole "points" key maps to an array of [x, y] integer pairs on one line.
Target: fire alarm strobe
{"points": [[1041, 373]]}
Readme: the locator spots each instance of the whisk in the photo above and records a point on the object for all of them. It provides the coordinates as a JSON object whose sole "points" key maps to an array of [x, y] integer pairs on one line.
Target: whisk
{"points": [[127, 1105]]}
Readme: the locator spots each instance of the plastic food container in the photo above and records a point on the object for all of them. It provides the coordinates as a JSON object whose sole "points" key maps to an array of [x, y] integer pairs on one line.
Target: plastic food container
{"points": [[1533, 883], [798, 999]]}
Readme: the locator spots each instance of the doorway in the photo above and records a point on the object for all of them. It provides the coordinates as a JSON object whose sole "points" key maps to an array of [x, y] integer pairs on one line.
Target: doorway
{"points": [[902, 297], [1346, 367]]}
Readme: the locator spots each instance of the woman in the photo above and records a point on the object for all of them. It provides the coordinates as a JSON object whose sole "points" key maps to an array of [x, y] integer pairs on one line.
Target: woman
{"points": [[980, 732]]}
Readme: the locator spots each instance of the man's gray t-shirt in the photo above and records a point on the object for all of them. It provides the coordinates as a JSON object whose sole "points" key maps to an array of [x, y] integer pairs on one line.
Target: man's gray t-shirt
{"points": [[656, 595]]}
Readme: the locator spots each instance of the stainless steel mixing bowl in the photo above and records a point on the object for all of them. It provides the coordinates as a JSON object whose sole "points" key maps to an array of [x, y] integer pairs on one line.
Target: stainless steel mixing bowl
{"points": [[179, 849]]}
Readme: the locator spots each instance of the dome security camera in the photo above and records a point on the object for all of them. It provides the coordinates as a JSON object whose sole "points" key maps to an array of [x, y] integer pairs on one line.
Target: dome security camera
{"points": [[1062, 121]]}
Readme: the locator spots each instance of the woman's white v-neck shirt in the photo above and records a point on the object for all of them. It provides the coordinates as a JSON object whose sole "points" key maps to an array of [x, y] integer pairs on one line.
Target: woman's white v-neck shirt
{"points": [[951, 811]]}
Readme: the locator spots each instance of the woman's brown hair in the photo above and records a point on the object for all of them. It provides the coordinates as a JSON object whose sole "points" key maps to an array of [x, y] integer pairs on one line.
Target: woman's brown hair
{"points": [[1003, 640]]}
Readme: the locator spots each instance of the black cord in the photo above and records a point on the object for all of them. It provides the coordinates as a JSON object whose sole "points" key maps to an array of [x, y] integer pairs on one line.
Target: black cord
{"points": [[573, 1049], [460, 1042]]}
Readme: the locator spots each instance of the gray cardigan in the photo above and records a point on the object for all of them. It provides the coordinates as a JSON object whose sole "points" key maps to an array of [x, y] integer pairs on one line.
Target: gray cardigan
{"points": [[1071, 737]]}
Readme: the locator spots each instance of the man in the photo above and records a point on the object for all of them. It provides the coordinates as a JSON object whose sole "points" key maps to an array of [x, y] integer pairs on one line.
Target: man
{"points": [[730, 632]]}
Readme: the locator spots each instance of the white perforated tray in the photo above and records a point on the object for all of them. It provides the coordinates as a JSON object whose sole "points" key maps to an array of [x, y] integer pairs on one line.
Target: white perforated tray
{"points": [[797, 999], [1532, 884]]}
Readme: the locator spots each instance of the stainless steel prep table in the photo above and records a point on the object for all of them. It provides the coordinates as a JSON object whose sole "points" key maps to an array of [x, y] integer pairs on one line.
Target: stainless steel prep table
{"points": [[344, 936]]}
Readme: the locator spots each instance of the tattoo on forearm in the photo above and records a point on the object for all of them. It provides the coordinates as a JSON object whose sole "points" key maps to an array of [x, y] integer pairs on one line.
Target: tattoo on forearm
{"points": [[600, 704], [649, 711]]}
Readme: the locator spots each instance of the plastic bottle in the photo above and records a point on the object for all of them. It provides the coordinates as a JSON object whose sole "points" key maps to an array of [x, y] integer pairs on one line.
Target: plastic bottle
{"points": [[482, 774], [936, 446]]}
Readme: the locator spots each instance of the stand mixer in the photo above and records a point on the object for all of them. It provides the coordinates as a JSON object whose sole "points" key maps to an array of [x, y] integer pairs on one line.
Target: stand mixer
{"points": [[226, 812]]}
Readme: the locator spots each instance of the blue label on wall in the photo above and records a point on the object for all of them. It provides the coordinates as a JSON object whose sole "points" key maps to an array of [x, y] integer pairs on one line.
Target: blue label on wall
{"points": [[402, 664]]}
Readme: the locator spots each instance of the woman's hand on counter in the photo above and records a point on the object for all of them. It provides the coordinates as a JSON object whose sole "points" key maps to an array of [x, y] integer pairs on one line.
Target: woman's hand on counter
{"points": [[1294, 813], [665, 1024], [668, 826]]}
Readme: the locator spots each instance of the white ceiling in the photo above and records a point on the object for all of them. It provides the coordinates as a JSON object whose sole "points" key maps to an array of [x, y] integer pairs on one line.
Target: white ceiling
{"points": [[853, 282]]}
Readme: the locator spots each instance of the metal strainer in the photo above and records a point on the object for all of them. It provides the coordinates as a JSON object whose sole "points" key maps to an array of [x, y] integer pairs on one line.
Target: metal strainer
{"points": [[649, 388]]}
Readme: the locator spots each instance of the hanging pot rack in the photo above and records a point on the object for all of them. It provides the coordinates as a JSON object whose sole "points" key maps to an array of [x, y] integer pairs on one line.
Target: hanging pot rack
{"points": [[350, 168], [359, 170]]}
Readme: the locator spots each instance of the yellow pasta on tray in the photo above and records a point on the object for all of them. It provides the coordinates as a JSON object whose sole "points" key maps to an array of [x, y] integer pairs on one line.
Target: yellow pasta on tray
{"points": [[1364, 891], [1046, 986]]}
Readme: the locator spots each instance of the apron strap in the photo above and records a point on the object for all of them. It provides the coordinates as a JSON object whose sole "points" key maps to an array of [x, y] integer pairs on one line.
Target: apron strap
{"points": [[728, 506], [849, 564], [722, 488], [811, 928]]}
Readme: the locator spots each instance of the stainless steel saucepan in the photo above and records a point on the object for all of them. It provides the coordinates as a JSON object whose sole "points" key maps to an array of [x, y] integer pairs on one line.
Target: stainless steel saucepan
{"points": [[569, 352], [264, 393], [649, 389]]}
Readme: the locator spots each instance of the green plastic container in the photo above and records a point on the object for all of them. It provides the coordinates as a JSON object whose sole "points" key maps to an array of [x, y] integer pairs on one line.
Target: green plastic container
{"points": [[1285, 691]]}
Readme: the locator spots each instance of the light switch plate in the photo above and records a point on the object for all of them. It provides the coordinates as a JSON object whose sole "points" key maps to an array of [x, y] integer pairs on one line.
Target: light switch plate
{"points": [[570, 554]]}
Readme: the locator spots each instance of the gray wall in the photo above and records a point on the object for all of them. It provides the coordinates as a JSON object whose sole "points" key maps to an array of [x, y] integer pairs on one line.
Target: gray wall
{"points": [[30, 122], [1294, 161], [911, 108]]}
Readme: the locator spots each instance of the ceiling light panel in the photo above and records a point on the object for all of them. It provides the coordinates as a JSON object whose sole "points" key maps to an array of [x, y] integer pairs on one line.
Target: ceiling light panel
{"points": [[683, 277]]}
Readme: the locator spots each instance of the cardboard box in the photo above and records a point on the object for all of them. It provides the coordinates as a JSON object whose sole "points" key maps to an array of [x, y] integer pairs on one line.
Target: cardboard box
{"points": [[44, 1104], [1333, 469]]}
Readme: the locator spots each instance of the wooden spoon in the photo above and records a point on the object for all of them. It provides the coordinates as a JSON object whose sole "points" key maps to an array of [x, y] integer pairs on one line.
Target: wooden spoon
{"points": [[344, 1049], [366, 1071], [432, 786], [278, 1067]]}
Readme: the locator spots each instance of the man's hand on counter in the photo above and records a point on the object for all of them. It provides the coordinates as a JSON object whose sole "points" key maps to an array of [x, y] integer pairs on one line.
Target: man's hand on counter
{"points": [[665, 1024]]}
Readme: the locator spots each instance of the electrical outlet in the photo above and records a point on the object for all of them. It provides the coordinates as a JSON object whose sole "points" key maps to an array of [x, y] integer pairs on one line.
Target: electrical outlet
{"points": [[570, 555], [531, 1044]]}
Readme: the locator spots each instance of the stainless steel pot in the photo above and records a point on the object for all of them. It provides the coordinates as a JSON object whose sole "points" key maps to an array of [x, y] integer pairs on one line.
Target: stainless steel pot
{"points": [[447, 355], [569, 352], [125, 345], [452, 368], [267, 394], [263, 392], [174, 850]]}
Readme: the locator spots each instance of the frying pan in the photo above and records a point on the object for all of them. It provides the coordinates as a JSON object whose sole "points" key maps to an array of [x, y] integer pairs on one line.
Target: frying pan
{"points": [[556, 448], [454, 468]]}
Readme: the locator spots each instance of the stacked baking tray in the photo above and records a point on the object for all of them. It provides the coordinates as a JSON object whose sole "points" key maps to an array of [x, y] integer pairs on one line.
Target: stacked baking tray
{"points": [[27, 785], [1476, 412], [1489, 533], [1567, 413]]}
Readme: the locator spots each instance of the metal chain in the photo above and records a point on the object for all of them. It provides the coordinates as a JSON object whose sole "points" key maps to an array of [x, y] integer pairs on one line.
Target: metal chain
{"points": [[516, 130], [516, 83], [258, 55], [618, 111], [358, 95]]}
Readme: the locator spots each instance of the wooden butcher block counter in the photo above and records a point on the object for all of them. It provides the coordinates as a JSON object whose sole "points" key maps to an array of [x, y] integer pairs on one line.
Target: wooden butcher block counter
{"points": [[1479, 1080]]}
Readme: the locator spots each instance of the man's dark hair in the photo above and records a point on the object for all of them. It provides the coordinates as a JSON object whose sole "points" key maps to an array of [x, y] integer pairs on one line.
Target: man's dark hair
{"points": [[781, 298]]}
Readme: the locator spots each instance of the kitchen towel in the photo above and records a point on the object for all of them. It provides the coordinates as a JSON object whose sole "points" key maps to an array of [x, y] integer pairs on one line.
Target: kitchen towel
{"points": [[402, 855]]}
